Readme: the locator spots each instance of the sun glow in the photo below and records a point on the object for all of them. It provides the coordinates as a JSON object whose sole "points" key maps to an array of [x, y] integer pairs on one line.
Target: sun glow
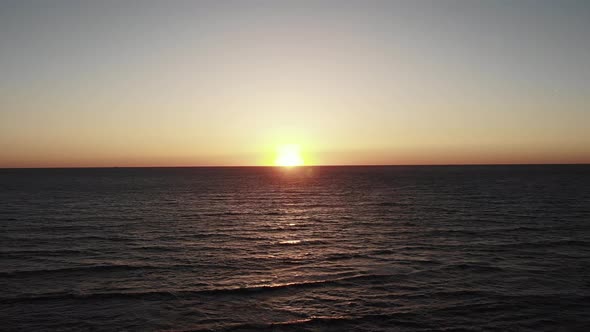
{"points": [[289, 155]]}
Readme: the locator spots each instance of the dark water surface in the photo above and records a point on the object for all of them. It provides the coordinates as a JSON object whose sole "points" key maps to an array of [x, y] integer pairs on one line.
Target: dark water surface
{"points": [[302, 249]]}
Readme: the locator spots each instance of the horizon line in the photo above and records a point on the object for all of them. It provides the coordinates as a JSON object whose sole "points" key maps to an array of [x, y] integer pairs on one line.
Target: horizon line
{"points": [[301, 166]]}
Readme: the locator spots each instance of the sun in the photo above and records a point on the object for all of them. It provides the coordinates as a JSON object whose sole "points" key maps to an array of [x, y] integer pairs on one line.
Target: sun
{"points": [[289, 155]]}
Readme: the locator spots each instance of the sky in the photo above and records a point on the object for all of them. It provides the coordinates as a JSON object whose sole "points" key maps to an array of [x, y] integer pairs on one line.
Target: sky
{"points": [[197, 83]]}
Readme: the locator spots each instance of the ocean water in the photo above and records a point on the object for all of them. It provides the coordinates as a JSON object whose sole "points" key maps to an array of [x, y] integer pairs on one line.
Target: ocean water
{"points": [[304, 249]]}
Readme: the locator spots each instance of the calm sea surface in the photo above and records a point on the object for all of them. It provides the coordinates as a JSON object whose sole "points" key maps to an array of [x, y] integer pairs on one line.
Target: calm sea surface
{"points": [[302, 249]]}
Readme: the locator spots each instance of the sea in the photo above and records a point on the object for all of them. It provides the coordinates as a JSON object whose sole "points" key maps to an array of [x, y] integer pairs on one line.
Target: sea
{"points": [[384, 248]]}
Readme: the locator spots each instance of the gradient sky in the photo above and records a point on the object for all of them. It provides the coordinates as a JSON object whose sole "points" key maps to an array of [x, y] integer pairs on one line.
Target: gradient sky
{"points": [[138, 83]]}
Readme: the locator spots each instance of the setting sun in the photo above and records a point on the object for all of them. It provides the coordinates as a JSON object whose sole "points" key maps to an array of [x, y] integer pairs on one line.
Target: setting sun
{"points": [[289, 155]]}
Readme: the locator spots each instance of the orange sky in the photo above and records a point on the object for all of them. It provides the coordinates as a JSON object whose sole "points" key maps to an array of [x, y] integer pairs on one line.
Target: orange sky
{"points": [[220, 83]]}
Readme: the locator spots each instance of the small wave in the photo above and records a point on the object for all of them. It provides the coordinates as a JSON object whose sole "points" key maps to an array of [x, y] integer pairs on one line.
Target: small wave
{"points": [[392, 204], [563, 242], [302, 241], [46, 252], [546, 243], [85, 269], [345, 256], [288, 242], [296, 323], [157, 248], [273, 213], [321, 323], [468, 267], [82, 238], [227, 213], [176, 294]]}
